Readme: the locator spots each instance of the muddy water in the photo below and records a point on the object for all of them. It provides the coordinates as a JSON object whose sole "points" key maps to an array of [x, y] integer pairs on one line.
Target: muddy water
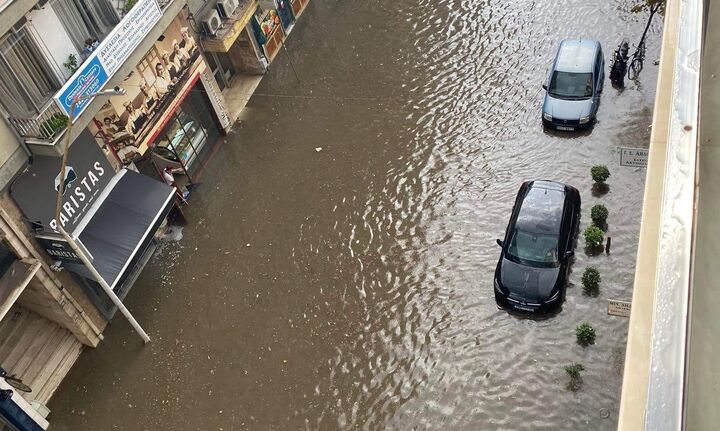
{"points": [[337, 269]]}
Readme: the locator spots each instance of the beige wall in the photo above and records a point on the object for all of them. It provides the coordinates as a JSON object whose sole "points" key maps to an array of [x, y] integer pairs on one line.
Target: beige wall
{"points": [[13, 157], [70, 307]]}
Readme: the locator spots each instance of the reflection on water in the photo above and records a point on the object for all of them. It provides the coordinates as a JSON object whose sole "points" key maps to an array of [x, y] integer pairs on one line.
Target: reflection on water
{"points": [[352, 287]]}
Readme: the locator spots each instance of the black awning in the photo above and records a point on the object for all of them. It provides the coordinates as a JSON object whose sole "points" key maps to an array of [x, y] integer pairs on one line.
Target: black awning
{"points": [[121, 224]]}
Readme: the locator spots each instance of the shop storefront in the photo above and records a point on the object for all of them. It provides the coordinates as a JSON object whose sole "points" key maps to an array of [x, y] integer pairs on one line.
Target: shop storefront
{"points": [[130, 167], [114, 216], [233, 52], [169, 114], [250, 39]]}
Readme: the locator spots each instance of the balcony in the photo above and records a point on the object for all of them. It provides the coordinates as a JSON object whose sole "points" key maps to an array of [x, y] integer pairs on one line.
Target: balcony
{"points": [[44, 128]]}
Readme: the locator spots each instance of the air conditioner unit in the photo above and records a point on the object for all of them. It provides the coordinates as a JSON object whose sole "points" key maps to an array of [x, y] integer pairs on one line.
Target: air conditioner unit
{"points": [[226, 8], [211, 23]]}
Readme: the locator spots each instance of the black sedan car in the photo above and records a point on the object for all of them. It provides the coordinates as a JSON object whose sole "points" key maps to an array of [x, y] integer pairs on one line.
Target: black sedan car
{"points": [[539, 243]]}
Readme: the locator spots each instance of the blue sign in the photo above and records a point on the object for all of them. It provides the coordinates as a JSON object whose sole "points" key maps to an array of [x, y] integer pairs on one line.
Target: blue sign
{"points": [[109, 55], [90, 79]]}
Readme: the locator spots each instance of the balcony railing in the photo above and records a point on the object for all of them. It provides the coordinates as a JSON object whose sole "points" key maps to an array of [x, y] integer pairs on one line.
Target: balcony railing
{"points": [[45, 127]]}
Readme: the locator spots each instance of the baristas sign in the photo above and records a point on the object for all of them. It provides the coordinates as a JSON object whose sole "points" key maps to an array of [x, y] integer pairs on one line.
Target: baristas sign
{"points": [[86, 175]]}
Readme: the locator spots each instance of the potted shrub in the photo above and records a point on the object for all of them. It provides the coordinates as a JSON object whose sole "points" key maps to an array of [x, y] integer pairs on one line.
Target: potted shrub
{"points": [[71, 63], [591, 280], [594, 237], [585, 334], [599, 214], [600, 174], [50, 127], [574, 371]]}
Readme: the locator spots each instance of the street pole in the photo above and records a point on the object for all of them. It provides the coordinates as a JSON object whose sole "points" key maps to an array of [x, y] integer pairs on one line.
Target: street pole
{"points": [[58, 206]]}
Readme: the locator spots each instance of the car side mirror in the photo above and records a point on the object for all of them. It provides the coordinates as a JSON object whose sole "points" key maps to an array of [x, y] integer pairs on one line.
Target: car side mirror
{"points": [[500, 242], [544, 86], [569, 254]]}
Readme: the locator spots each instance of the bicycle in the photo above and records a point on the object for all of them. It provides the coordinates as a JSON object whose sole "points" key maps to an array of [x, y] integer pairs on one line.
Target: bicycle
{"points": [[636, 63], [15, 382]]}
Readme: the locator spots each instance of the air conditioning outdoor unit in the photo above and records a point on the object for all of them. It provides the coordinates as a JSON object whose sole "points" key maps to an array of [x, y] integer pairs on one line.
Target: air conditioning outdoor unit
{"points": [[211, 23], [227, 8]]}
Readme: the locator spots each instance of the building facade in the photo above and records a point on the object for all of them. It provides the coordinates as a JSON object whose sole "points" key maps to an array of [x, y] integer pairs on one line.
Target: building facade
{"points": [[183, 70]]}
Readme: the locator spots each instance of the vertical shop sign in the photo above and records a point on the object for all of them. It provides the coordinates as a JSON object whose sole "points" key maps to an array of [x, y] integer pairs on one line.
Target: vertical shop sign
{"points": [[216, 99], [107, 58]]}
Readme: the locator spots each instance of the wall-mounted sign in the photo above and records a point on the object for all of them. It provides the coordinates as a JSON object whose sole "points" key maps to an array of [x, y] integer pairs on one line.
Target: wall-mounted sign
{"points": [[619, 308], [86, 175], [216, 99], [58, 249], [107, 58], [634, 156]]}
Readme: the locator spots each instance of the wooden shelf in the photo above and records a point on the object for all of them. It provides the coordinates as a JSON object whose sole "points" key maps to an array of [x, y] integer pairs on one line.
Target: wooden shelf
{"points": [[14, 281]]}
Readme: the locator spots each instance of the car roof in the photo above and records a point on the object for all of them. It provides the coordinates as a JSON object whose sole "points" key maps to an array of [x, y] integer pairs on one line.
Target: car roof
{"points": [[541, 209], [576, 55]]}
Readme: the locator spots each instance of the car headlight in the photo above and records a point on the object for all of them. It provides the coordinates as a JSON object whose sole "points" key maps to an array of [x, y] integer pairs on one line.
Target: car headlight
{"points": [[584, 120], [547, 116], [554, 297]]}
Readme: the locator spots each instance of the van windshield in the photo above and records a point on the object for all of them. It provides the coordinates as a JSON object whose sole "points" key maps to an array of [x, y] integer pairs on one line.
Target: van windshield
{"points": [[569, 85]]}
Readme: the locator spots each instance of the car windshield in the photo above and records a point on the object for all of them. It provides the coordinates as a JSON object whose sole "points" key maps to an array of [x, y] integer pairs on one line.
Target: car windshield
{"points": [[533, 247], [568, 85]]}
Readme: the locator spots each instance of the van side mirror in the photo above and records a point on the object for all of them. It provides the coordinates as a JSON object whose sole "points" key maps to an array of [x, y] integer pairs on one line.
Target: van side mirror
{"points": [[500, 242], [569, 254], [544, 86]]}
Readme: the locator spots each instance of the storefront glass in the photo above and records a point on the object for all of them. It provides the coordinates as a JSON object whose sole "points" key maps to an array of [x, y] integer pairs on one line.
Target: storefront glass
{"points": [[185, 135]]}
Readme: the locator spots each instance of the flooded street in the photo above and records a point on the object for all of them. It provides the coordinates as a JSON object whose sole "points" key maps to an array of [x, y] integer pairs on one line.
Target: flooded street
{"points": [[336, 272]]}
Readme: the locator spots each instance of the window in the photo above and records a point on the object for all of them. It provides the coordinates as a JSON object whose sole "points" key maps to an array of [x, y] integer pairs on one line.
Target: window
{"points": [[534, 247], [569, 85], [26, 80], [86, 19]]}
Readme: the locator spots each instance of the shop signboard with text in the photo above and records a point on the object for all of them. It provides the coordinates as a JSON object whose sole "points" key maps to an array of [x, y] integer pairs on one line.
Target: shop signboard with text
{"points": [[87, 174], [110, 54]]}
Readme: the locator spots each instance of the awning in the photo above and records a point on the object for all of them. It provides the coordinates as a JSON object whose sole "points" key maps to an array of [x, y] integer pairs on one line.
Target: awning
{"points": [[121, 223]]}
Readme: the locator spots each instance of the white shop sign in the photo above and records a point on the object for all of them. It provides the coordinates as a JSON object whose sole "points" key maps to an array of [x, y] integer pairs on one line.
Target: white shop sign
{"points": [[634, 156], [619, 308]]}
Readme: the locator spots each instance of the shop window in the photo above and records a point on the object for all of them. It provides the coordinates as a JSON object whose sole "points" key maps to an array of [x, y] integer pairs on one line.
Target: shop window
{"points": [[184, 135]]}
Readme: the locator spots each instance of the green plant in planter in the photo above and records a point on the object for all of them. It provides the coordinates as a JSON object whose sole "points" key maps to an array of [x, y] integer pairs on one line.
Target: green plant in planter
{"points": [[71, 63], [585, 334], [600, 173], [574, 371], [129, 5], [594, 236], [52, 125], [599, 214], [591, 279]]}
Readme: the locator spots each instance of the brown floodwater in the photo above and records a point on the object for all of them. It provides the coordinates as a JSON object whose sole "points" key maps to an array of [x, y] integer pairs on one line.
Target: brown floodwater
{"points": [[351, 287]]}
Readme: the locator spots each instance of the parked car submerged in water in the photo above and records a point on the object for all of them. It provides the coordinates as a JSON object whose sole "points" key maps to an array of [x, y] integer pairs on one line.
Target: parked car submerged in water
{"points": [[574, 85], [531, 274]]}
